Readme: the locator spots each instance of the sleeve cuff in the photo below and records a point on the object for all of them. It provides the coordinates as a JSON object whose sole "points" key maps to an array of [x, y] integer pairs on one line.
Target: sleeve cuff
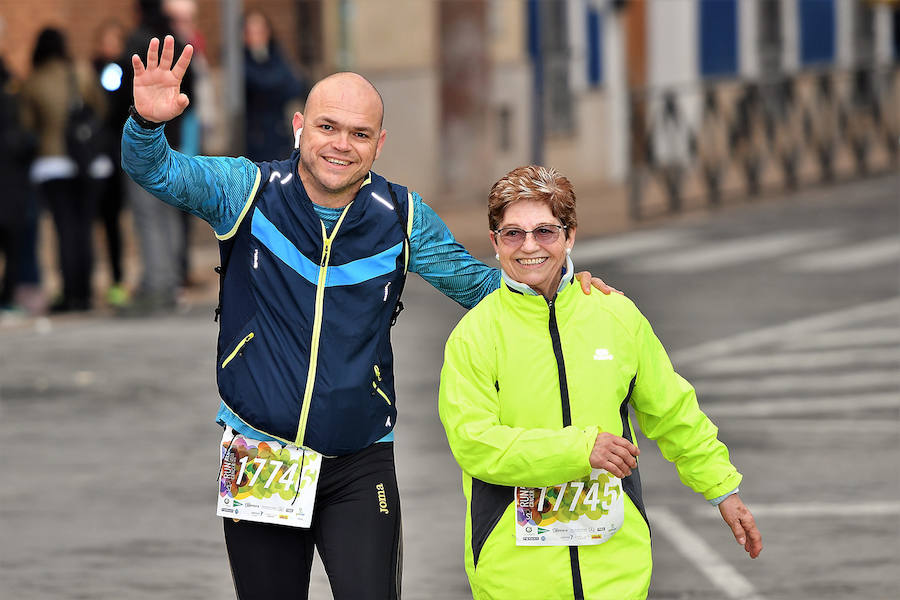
{"points": [[718, 501], [135, 130]]}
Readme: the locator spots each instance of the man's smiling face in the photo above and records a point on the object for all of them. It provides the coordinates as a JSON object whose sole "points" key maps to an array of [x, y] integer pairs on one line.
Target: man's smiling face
{"points": [[341, 138]]}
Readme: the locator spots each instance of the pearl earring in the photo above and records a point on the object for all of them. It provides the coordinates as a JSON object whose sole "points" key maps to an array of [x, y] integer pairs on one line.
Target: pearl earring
{"points": [[497, 256], [568, 251]]}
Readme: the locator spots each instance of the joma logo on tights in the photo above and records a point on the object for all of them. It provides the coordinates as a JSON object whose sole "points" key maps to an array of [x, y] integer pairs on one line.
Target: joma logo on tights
{"points": [[382, 499]]}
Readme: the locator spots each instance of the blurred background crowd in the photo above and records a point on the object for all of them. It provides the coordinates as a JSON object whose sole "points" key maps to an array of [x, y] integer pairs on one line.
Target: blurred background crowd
{"points": [[62, 116], [658, 105]]}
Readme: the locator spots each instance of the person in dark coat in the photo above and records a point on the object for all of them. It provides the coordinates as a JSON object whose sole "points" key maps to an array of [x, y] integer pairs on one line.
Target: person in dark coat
{"points": [[159, 228], [17, 147], [66, 186], [269, 85], [109, 65]]}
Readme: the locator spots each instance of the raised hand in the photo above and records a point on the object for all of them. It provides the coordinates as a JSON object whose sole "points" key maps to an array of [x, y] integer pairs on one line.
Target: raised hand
{"points": [[157, 87]]}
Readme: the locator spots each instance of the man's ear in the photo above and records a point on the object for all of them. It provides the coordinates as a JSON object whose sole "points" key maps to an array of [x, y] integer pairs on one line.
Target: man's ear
{"points": [[297, 124]]}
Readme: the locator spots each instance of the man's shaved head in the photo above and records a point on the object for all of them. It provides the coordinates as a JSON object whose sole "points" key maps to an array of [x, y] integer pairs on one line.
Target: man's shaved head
{"points": [[340, 135], [347, 83]]}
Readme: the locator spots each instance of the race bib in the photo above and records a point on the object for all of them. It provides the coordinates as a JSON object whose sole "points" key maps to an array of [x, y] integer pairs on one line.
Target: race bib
{"points": [[267, 482], [577, 513]]}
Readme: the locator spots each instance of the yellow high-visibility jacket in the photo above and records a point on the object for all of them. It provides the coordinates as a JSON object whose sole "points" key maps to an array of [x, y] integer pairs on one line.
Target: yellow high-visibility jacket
{"points": [[526, 386]]}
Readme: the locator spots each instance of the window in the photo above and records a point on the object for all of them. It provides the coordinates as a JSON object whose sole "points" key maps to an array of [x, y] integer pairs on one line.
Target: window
{"points": [[594, 46], [718, 37], [309, 33], [816, 31]]}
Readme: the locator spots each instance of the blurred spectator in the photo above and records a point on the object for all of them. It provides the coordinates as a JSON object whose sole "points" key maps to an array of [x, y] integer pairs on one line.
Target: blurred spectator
{"points": [[270, 85], [199, 116], [158, 226], [16, 148], [110, 67], [197, 119], [55, 84]]}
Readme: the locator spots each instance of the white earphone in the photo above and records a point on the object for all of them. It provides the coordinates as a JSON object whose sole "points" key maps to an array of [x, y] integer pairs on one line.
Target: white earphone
{"points": [[297, 137]]}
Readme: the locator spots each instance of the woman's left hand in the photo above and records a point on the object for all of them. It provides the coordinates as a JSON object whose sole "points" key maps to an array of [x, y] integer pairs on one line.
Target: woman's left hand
{"points": [[739, 518], [587, 281]]}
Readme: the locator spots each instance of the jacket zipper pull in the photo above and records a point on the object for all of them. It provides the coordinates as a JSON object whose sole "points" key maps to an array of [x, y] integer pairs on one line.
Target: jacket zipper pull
{"points": [[325, 254]]}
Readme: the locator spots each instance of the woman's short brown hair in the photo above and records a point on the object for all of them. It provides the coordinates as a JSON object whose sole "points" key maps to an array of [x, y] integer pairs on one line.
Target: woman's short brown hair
{"points": [[538, 184]]}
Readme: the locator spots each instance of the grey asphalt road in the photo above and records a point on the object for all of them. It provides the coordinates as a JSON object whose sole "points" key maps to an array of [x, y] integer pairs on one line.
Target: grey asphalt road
{"points": [[783, 313]]}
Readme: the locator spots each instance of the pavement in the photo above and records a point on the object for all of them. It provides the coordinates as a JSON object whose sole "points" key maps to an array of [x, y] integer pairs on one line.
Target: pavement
{"points": [[784, 313]]}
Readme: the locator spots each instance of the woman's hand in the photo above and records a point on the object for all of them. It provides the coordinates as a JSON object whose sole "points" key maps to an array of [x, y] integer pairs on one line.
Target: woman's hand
{"points": [[615, 454], [739, 518], [587, 281], [157, 88]]}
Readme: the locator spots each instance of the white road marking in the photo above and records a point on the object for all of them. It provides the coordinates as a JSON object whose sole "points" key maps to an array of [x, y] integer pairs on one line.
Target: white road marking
{"points": [[784, 407], [848, 338], [813, 425], [819, 382], [725, 577], [852, 257], [716, 255], [626, 246], [788, 331], [851, 510], [800, 361]]}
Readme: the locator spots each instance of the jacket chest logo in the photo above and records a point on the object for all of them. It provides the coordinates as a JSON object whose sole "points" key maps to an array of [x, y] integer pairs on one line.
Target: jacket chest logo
{"points": [[602, 354]]}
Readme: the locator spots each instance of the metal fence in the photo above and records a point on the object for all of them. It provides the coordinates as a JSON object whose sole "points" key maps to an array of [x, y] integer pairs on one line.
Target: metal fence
{"points": [[704, 145]]}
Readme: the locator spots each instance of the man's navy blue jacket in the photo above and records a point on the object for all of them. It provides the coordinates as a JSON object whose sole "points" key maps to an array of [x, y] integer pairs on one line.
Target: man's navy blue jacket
{"points": [[304, 352]]}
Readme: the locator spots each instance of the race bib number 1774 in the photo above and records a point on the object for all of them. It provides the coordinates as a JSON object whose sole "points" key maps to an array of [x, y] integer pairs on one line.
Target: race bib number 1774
{"points": [[266, 482], [578, 513]]}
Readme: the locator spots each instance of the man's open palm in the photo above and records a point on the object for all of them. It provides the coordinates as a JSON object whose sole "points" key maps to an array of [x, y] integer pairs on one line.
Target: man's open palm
{"points": [[157, 87]]}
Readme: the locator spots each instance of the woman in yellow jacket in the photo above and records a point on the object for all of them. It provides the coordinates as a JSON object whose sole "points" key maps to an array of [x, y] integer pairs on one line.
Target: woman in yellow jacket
{"points": [[534, 393]]}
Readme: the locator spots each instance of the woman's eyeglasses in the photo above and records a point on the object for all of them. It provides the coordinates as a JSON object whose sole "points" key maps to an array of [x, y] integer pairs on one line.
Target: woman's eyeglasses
{"points": [[543, 234]]}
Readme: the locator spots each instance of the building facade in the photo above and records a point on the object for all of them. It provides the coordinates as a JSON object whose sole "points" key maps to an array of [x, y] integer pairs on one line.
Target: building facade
{"points": [[474, 88]]}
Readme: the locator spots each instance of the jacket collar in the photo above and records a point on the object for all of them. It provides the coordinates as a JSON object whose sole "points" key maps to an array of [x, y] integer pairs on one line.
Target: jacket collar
{"points": [[566, 279]]}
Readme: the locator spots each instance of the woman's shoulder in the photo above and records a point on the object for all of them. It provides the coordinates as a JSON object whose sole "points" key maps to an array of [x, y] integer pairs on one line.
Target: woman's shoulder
{"points": [[479, 319], [615, 306]]}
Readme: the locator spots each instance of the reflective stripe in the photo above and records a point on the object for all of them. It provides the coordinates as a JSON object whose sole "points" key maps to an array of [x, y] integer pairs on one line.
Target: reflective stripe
{"points": [[349, 273], [409, 225], [247, 204], [237, 349], [383, 395], [317, 324]]}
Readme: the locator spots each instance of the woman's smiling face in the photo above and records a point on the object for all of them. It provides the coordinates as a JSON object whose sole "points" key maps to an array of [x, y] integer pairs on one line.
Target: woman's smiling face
{"points": [[537, 265]]}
